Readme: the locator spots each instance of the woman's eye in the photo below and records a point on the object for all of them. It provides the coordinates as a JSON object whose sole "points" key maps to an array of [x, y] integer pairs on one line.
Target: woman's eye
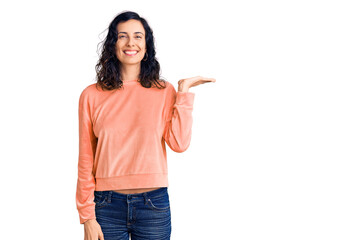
{"points": [[125, 36]]}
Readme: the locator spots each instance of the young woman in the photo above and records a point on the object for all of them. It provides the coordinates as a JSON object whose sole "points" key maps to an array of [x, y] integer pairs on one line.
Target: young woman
{"points": [[125, 118]]}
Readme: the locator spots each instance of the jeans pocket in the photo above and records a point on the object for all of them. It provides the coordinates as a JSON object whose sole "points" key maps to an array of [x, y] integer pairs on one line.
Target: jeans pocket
{"points": [[100, 200], [159, 203]]}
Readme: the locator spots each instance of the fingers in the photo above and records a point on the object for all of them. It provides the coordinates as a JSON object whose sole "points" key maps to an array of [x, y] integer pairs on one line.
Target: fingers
{"points": [[205, 79], [101, 236], [198, 78], [195, 81]]}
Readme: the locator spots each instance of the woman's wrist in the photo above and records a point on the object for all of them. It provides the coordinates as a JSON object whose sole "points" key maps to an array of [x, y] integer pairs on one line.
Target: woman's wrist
{"points": [[183, 88]]}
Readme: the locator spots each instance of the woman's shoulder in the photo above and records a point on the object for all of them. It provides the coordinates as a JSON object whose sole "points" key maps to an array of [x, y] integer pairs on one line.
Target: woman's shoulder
{"points": [[90, 89], [169, 86], [88, 92]]}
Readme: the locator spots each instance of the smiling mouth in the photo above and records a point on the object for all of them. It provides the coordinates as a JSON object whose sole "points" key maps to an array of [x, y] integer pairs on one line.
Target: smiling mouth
{"points": [[130, 53]]}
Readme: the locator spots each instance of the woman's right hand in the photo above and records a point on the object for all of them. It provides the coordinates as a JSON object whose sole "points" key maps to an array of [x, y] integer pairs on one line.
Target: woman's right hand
{"points": [[93, 230]]}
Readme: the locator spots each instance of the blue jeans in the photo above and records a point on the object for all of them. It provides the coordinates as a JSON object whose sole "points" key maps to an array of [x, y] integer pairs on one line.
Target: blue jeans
{"points": [[141, 215]]}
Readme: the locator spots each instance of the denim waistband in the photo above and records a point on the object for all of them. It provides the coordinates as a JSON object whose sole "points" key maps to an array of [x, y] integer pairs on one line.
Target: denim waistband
{"points": [[150, 194]]}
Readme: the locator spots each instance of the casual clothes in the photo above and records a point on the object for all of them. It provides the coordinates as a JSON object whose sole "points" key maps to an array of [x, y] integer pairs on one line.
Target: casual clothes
{"points": [[122, 135]]}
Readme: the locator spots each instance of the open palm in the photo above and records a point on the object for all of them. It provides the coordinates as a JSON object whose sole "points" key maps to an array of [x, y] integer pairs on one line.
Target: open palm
{"points": [[194, 81]]}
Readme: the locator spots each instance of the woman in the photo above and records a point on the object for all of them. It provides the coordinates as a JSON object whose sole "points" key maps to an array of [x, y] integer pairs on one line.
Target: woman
{"points": [[124, 121]]}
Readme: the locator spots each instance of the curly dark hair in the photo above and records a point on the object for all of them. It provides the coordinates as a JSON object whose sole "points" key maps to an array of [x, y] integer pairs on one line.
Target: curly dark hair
{"points": [[108, 67]]}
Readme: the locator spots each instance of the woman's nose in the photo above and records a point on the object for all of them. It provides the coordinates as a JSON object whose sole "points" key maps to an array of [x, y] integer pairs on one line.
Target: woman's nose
{"points": [[130, 41]]}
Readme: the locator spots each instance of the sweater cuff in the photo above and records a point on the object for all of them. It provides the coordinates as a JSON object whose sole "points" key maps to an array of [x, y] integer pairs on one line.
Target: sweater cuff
{"points": [[87, 215], [185, 98]]}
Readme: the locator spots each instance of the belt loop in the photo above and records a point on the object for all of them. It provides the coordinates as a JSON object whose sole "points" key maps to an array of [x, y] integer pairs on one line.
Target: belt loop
{"points": [[109, 196], [145, 197]]}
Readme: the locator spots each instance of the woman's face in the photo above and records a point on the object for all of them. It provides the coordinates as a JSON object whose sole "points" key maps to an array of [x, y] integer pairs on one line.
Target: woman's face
{"points": [[131, 36]]}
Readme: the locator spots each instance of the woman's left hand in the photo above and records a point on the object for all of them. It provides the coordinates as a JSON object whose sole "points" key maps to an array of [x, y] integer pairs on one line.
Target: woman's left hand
{"points": [[185, 84]]}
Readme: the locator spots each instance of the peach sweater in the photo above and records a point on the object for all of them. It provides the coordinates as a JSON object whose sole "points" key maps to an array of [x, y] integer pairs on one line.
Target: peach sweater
{"points": [[122, 135]]}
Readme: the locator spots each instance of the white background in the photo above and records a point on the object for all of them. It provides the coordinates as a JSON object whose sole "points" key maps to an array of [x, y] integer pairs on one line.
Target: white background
{"points": [[274, 149]]}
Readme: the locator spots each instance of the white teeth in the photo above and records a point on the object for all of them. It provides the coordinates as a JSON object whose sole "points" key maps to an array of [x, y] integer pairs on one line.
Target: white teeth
{"points": [[130, 52]]}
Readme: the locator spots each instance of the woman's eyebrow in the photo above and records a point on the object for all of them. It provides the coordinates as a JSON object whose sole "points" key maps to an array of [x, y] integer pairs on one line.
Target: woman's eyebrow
{"points": [[134, 32]]}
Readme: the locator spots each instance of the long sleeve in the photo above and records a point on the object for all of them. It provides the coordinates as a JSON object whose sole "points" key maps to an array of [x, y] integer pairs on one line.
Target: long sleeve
{"points": [[87, 147], [178, 128]]}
